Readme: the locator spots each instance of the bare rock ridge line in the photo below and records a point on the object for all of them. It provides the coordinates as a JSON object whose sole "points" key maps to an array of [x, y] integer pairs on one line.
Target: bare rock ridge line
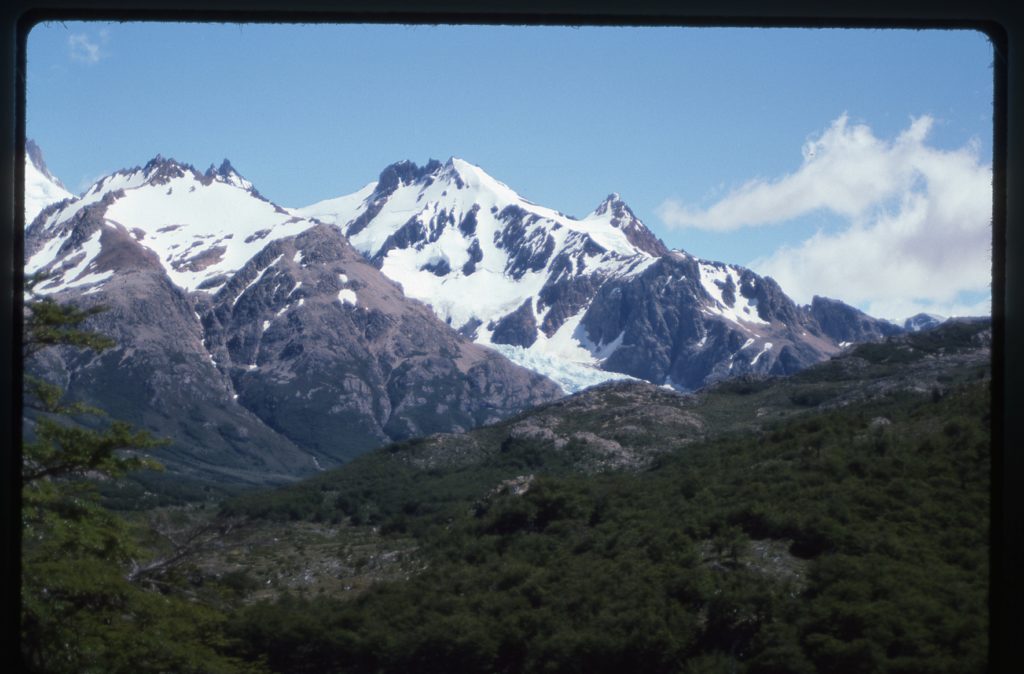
{"points": [[270, 342]]}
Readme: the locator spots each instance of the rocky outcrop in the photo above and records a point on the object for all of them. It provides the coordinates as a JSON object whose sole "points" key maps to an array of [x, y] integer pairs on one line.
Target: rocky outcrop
{"points": [[665, 331], [329, 352], [622, 217], [614, 426], [518, 328], [843, 323], [35, 155]]}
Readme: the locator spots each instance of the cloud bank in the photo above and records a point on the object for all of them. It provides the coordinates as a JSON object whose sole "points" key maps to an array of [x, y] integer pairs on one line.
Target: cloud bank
{"points": [[918, 222]]}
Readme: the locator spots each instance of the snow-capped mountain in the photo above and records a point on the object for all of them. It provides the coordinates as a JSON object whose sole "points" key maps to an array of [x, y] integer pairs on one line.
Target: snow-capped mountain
{"points": [[202, 226], [317, 333], [259, 340], [546, 289], [491, 264], [42, 188]]}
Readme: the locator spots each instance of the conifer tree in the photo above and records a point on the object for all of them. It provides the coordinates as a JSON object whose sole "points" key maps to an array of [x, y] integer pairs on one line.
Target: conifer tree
{"points": [[80, 612]]}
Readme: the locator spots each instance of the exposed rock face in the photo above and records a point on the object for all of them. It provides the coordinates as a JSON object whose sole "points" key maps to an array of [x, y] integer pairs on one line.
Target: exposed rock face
{"points": [[328, 348], [518, 328], [263, 344], [161, 377], [844, 323], [636, 232], [614, 426], [666, 331]]}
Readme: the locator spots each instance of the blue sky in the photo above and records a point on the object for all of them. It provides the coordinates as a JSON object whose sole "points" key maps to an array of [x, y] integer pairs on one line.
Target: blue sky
{"points": [[824, 157]]}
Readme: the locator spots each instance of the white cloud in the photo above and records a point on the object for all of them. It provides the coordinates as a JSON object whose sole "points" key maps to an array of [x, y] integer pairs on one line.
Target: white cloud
{"points": [[918, 222], [87, 49]]}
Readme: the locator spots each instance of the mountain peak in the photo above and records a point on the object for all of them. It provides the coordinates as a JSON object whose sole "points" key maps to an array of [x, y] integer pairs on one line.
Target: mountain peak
{"points": [[614, 205], [922, 321], [157, 161], [461, 165], [404, 172], [610, 204], [226, 168], [468, 174], [463, 172], [42, 188], [227, 173], [621, 217], [35, 155], [160, 169]]}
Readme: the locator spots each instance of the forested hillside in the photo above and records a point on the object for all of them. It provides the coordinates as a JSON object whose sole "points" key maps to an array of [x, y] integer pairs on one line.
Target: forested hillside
{"points": [[837, 523]]}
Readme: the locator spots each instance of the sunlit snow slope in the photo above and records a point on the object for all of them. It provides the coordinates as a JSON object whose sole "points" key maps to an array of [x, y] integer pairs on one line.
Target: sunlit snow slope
{"points": [[201, 226]]}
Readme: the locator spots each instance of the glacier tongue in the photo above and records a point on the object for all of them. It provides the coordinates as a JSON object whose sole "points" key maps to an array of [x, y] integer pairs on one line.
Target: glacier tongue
{"points": [[569, 375]]}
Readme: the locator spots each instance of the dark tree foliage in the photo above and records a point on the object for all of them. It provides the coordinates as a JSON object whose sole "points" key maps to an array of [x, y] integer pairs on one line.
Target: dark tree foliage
{"points": [[51, 323], [79, 611], [835, 542]]}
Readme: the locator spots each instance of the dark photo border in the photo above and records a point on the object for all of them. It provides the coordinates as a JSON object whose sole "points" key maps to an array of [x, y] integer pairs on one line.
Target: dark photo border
{"points": [[998, 19]]}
